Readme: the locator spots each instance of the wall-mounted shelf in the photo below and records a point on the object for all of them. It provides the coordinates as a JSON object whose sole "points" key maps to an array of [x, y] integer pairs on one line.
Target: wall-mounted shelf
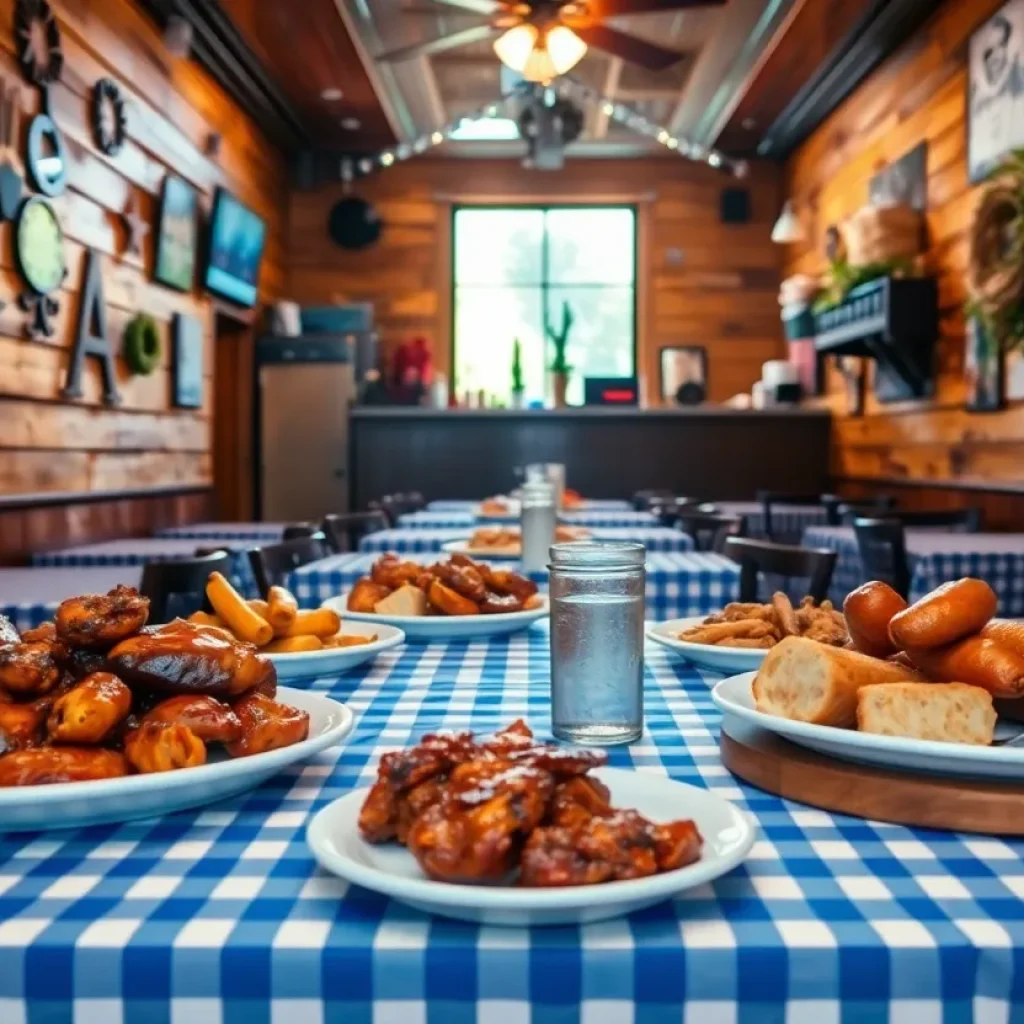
{"points": [[894, 321]]}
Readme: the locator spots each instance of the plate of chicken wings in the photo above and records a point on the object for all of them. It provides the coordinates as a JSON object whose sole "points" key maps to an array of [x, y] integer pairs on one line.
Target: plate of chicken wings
{"points": [[454, 599], [507, 830], [104, 718]]}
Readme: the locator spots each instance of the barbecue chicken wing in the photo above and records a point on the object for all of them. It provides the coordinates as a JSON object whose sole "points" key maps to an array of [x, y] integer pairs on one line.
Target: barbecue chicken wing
{"points": [[502, 581], [500, 604], [474, 833], [615, 847], [99, 621], [89, 712], [465, 580], [209, 719], [577, 800], [190, 661], [450, 602], [365, 595], [44, 631], [391, 572], [43, 765], [31, 669], [267, 725], [20, 725], [163, 747]]}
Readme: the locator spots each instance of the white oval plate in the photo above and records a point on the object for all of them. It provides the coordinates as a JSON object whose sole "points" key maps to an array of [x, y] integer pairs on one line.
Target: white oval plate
{"points": [[78, 804], [733, 697], [446, 627], [333, 836], [333, 661], [706, 656], [462, 547]]}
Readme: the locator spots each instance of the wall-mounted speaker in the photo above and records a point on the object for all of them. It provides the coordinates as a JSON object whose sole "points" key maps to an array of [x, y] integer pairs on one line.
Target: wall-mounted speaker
{"points": [[735, 206], [354, 223]]}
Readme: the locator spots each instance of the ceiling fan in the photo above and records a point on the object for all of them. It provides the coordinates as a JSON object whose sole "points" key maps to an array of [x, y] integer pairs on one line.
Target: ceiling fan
{"points": [[542, 39]]}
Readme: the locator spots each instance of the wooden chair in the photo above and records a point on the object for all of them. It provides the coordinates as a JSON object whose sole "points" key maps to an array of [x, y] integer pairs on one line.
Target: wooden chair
{"points": [[837, 509], [643, 501], [961, 520], [344, 531], [378, 506], [296, 531], [883, 552], [769, 498], [271, 564], [185, 579], [761, 556], [707, 530]]}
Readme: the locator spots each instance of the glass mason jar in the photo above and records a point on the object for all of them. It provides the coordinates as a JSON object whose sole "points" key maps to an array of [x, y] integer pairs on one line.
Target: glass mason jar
{"points": [[597, 642], [537, 520]]}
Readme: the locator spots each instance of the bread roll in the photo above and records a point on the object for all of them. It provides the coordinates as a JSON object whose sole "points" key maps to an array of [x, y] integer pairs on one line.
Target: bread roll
{"points": [[947, 712], [811, 682]]}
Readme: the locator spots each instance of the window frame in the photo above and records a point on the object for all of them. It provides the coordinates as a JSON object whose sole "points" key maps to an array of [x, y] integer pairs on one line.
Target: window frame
{"points": [[545, 285]]}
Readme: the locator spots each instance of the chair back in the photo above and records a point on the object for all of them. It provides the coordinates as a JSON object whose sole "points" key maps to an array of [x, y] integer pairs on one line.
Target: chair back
{"points": [[761, 556], [345, 530], [836, 508], [883, 552], [960, 520], [769, 498], [644, 501], [272, 563], [707, 530], [295, 531], [185, 579]]}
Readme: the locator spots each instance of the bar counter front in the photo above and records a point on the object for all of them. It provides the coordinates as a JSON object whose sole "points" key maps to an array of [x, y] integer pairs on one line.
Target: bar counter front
{"points": [[708, 452]]}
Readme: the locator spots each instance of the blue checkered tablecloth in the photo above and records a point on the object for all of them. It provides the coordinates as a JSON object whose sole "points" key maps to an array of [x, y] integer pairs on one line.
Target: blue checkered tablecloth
{"points": [[589, 505], [936, 557], [257, 533], [678, 584], [140, 550], [467, 521], [406, 541], [29, 597], [788, 521], [220, 915]]}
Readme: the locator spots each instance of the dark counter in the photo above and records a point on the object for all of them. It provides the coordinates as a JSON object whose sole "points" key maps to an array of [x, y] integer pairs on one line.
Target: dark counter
{"points": [[609, 453]]}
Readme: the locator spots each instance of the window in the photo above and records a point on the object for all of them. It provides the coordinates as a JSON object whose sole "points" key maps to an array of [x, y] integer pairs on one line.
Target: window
{"points": [[512, 264]]}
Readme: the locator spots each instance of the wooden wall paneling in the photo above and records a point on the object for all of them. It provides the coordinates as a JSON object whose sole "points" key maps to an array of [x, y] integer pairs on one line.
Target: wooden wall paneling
{"points": [[919, 94], [78, 450], [719, 286]]}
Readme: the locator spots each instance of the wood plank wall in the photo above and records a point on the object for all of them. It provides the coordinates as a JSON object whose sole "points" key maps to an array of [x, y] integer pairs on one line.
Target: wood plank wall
{"points": [[718, 290], [49, 445], [929, 453]]}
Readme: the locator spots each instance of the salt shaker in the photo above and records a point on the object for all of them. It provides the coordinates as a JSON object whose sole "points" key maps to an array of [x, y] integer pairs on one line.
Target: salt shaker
{"points": [[537, 521], [597, 642]]}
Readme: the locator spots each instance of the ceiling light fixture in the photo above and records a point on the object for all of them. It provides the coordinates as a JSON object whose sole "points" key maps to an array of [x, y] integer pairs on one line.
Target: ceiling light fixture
{"points": [[332, 94], [351, 124], [540, 55], [788, 227]]}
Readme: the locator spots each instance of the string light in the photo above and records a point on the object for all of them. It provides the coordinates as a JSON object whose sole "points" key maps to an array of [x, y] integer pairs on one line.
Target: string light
{"points": [[566, 86]]}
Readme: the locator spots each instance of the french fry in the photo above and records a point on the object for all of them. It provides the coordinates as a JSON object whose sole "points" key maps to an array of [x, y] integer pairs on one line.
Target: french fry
{"points": [[321, 622], [294, 644], [281, 609], [237, 615], [259, 606], [349, 640], [206, 619]]}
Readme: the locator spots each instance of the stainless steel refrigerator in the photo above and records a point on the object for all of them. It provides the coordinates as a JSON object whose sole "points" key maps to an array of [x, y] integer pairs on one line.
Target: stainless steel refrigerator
{"points": [[304, 388]]}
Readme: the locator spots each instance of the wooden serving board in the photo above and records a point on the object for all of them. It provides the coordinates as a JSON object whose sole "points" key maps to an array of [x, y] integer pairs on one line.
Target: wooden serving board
{"points": [[773, 764]]}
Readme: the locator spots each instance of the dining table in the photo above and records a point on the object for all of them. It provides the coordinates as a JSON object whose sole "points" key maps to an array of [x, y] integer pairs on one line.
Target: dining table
{"points": [[137, 551], [256, 533], [678, 584], [934, 556], [30, 596], [409, 540], [586, 505], [220, 915], [789, 521], [428, 520]]}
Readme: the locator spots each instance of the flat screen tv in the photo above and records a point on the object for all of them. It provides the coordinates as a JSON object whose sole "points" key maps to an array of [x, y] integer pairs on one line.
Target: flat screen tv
{"points": [[236, 240]]}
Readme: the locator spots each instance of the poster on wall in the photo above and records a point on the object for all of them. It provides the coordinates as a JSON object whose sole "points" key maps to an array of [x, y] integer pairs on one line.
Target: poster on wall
{"points": [[995, 90]]}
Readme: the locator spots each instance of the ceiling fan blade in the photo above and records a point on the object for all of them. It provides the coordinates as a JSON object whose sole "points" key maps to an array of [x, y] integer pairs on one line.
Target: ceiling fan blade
{"points": [[612, 8], [636, 51], [485, 7], [442, 45]]}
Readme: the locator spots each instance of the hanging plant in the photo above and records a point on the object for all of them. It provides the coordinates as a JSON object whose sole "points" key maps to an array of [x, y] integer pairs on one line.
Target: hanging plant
{"points": [[142, 345], [996, 261]]}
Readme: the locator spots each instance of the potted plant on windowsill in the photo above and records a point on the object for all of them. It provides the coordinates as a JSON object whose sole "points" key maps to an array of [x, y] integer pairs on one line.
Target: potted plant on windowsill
{"points": [[518, 385], [560, 369]]}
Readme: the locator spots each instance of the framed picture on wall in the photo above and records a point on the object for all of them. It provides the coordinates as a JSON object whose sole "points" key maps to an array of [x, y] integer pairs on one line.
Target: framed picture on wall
{"points": [[983, 368], [684, 374], [187, 336], [177, 235], [995, 90]]}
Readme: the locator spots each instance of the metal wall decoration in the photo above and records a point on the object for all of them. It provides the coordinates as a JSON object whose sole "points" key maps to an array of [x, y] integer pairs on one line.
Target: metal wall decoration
{"points": [[10, 165], [995, 90], [37, 39], [39, 252], [136, 227], [109, 123], [187, 333], [91, 338], [904, 182]]}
